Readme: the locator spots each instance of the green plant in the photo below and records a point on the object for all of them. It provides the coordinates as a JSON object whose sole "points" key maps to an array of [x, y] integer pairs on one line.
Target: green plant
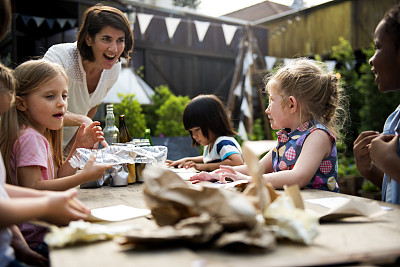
{"points": [[162, 93], [134, 118], [347, 166], [368, 186], [170, 116]]}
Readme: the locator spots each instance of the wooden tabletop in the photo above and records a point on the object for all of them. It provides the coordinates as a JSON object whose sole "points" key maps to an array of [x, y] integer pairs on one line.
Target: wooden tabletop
{"points": [[349, 241]]}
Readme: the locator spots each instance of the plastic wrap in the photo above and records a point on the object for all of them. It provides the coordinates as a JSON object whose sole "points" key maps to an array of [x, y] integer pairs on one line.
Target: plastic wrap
{"points": [[120, 154]]}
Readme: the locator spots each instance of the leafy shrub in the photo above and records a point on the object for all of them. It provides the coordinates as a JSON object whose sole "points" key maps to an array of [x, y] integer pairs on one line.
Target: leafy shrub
{"points": [[170, 116], [162, 93], [134, 118], [368, 186]]}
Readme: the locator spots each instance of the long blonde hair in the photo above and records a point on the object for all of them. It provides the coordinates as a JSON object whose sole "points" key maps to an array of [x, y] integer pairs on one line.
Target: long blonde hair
{"points": [[30, 76], [318, 92]]}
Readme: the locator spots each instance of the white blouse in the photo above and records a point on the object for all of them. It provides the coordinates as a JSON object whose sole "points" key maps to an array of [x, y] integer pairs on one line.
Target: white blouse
{"points": [[79, 99]]}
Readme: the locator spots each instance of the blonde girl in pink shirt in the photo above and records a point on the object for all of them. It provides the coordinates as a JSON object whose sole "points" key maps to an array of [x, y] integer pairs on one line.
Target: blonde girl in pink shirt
{"points": [[32, 135]]}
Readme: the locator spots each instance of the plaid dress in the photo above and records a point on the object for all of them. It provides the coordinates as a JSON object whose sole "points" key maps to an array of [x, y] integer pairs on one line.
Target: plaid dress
{"points": [[288, 150]]}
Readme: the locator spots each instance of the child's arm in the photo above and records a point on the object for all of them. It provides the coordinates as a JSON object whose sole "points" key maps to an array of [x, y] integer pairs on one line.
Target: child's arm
{"points": [[23, 252], [52, 207], [384, 154], [363, 158], [30, 177], [231, 160], [316, 147], [180, 163], [86, 137]]}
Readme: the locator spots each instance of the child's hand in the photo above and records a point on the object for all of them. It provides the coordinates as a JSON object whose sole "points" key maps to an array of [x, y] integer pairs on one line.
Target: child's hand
{"points": [[93, 171], [224, 174], [90, 136], [176, 163], [63, 207]]}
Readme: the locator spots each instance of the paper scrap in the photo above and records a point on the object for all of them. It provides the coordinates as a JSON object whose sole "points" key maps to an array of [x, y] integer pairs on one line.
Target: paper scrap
{"points": [[341, 207], [117, 213], [328, 202]]}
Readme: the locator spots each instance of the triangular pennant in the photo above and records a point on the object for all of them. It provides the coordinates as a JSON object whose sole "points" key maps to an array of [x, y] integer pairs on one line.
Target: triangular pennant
{"points": [[229, 31], [247, 85], [247, 62], [245, 108], [270, 62], [238, 90], [144, 21], [330, 65], [287, 61], [72, 22], [132, 19], [242, 131], [50, 23], [172, 24], [61, 22], [25, 19], [38, 21], [201, 28]]}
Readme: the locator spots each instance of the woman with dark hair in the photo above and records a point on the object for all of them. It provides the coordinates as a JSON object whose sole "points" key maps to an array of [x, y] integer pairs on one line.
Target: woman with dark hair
{"points": [[92, 64]]}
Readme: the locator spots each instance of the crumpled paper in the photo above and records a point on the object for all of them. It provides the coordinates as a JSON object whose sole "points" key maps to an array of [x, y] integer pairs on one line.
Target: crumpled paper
{"points": [[291, 222], [198, 215], [120, 154], [81, 231]]}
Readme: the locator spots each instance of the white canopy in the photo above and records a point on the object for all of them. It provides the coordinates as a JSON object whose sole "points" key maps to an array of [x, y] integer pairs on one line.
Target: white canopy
{"points": [[130, 83]]}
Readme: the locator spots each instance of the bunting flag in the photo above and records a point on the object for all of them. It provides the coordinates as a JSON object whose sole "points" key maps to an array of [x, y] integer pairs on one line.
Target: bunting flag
{"points": [[172, 24], [132, 19], [287, 61], [201, 28], [238, 90], [270, 62], [49, 21], [38, 21], [242, 131], [229, 31], [330, 65], [245, 108], [247, 85], [247, 62], [144, 21], [62, 22]]}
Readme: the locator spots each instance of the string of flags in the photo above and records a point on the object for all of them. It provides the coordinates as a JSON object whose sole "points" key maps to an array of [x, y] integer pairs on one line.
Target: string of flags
{"points": [[49, 21], [172, 24], [144, 21]]}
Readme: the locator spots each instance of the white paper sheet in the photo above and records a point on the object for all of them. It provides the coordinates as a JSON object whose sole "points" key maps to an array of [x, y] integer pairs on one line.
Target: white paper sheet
{"points": [[117, 213]]}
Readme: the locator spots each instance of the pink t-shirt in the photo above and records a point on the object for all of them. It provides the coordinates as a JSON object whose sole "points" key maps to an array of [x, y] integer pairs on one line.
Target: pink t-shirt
{"points": [[32, 149]]}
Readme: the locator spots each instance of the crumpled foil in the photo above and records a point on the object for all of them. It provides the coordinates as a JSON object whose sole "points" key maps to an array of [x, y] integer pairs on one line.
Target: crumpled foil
{"points": [[120, 154]]}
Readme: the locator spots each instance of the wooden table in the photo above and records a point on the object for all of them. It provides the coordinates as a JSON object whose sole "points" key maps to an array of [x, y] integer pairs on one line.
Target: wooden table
{"points": [[350, 241]]}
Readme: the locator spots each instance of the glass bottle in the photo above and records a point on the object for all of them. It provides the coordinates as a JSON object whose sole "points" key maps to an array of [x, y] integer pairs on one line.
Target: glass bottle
{"points": [[147, 135], [124, 135], [111, 133]]}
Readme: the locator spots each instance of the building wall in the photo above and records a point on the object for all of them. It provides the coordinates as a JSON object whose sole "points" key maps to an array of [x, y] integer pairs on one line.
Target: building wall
{"points": [[315, 30]]}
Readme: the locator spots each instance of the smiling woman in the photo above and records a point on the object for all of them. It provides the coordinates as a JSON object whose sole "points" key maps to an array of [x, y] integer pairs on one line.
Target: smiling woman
{"points": [[92, 64]]}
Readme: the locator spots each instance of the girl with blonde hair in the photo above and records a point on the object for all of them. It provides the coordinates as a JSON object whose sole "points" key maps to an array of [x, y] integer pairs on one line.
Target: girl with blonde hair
{"points": [[304, 105], [31, 134]]}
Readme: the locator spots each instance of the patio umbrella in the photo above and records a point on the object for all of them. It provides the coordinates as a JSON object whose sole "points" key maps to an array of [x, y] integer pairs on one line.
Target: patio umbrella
{"points": [[130, 83]]}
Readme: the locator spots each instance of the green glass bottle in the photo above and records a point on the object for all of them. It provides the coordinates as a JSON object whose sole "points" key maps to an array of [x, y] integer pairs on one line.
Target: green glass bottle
{"points": [[147, 135]]}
